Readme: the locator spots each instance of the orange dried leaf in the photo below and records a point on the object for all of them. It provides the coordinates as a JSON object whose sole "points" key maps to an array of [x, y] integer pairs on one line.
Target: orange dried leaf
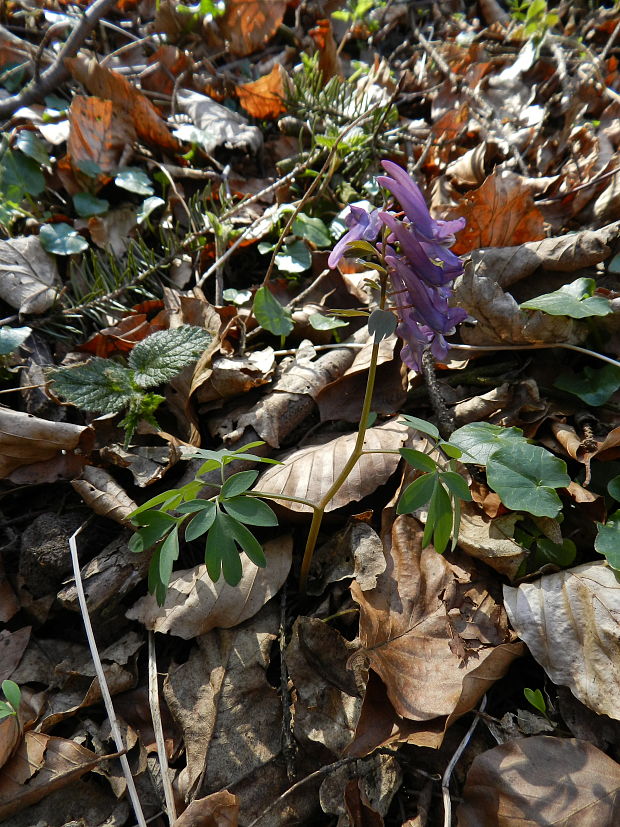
{"points": [[263, 98], [329, 62], [247, 25], [99, 133]]}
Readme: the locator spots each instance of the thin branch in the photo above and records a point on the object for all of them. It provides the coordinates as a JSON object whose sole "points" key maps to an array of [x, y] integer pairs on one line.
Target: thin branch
{"points": [[541, 346], [58, 72], [159, 732], [445, 781]]}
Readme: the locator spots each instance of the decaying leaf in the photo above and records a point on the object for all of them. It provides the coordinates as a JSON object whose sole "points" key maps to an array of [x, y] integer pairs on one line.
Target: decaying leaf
{"points": [[195, 604], [491, 540], [570, 623], [263, 98], [100, 133], [542, 780], [214, 125], [28, 275], [247, 25], [362, 792], [103, 494], [219, 809], [309, 472]]}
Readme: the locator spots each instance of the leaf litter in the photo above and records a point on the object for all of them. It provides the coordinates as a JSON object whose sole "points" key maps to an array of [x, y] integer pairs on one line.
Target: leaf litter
{"points": [[144, 194]]}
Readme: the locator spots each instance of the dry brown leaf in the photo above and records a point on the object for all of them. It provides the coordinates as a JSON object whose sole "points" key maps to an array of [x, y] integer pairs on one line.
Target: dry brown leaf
{"points": [[219, 809], [329, 59], [542, 780], [309, 472], [10, 736], [28, 275], [564, 253], [9, 604], [500, 319], [12, 646], [99, 132], [26, 439], [431, 630], [491, 540], [42, 764], [247, 25], [104, 495], [362, 792], [111, 231], [500, 213], [263, 98], [164, 67], [570, 623], [195, 604], [109, 85], [214, 125], [230, 376]]}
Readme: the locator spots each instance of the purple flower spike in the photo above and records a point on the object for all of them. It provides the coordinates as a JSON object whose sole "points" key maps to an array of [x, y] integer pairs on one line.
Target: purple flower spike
{"points": [[364, 226]]}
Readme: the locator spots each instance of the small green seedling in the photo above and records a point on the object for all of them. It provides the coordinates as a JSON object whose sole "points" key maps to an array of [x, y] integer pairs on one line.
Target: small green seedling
{"points": [[535, 698], [13, 696]]}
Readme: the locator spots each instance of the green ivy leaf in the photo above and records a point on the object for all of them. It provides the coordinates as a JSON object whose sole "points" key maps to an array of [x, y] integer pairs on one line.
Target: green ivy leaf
{"points": [[12, 337], [270, 314], [251, 511], [607, 540], [100, 385], [417, 494], [312, 229], [525, 477], [62, 239], [594, 386], [87, 205], [294, 257], [478, 439], [238, 483], [202, 522], [161, 356], [135, 180], [576, 300], [381, 324]]}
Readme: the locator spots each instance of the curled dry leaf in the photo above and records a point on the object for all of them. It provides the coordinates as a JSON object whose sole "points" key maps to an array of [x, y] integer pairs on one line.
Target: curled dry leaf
{"points": [[28, 275], [309, 472], [42, 764], [542, 780], [230, 376], [195, 604], [219, 809], [104, 495], [570, 623], [500, 213], [431, 630], [26, 439], [264, 98]]}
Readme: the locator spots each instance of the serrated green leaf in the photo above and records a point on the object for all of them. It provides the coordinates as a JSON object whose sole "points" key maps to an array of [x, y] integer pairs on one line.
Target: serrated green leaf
{"points": [[417, 494], [478, 439], [320, 322], [525, 477], [62, 239], [238, 483], [251, 511], [418, 460], [135, 180], [420, 425], [202, 522], [162, 355], [575, 300], [294, 257], [12, 337], [270, 314], [593, 386], [456, 484], [381, 324], [535, 698], [312, 229], [607, 540], [12, 693], [100, 385], [86, 204]]}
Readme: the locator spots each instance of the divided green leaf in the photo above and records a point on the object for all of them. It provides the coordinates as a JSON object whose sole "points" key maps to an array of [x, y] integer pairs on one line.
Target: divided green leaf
{"points": [[251, 511], [417, 494], [420, 425], [381, 324], [418, 460], [238, 483], [535, 697]]}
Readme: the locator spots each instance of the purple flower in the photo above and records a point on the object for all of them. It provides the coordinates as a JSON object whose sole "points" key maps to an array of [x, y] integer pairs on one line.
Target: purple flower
{"points": [[364, 226]]}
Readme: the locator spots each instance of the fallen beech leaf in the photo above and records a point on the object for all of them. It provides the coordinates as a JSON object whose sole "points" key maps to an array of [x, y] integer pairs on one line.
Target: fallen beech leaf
{"points": [[195, 604], [26, 439], [110, 85], [214, 125], [42, 764], [121, 337], [264, 98], [28, 275], [12, 646], [431, 630], [500, 213], [10, 736], [309, 472], [164, 67], [569, 622], [219, 809], [491, 540], [542, 780], [247, 25], [103, 494], [99, 132]]}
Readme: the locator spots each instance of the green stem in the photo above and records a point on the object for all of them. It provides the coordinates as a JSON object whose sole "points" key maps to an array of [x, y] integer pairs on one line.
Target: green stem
{"points": [[337, 484], [269, 495]]}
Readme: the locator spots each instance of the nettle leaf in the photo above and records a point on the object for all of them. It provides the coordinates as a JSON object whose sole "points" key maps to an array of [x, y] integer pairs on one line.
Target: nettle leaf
{"points": [[320, 322], [417, 494], [270, 314], [161, 356], [478, 439], [62, 239], [525, 477], [101, 385], [576, 300], [594, 386], [12, 337], [251, 511], [238, 483], [607, 540], [294, 257], [381, 324], [312, 229]]}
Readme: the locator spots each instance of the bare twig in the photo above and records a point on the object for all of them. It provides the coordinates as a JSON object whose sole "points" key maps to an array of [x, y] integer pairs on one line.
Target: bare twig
{"points": [[540, 346], [103, 686], [445, 781], [58, 72], [158, 730]]}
